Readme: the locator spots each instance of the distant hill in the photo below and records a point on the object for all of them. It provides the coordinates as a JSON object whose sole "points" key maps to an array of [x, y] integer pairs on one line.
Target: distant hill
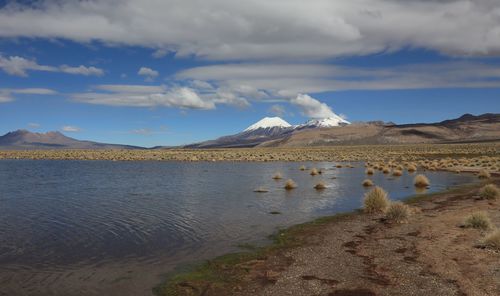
{"points": [[275, 132], [26, 140]]}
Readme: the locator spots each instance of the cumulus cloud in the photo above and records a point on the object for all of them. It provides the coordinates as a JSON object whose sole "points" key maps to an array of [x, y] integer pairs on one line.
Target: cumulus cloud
{"points": [[71, 129], [149, 73], [262, 29], [311, 107], [19, 66]]}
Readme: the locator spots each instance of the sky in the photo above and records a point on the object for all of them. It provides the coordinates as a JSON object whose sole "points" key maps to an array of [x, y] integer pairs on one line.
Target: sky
{"points": [[171, 72]]}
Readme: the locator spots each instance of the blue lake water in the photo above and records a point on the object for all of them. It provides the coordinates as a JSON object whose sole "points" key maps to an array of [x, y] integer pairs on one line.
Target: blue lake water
{"points": [[116, 228]]}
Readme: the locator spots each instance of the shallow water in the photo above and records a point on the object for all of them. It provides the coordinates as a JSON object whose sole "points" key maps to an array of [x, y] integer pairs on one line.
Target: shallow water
{"points": [[115, 228]]}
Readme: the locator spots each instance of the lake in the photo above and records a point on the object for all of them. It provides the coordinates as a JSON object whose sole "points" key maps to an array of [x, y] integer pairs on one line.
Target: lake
{"points": [[116, 228]]}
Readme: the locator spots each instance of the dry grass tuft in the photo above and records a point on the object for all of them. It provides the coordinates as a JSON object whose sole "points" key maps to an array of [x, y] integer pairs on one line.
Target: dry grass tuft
{"points": [[397, 173], [484, 174], [386, 170], [290, 184], [277, 176], [412, 168], [398, 212], [369, 171], [320, 186], [261, 190], [314, 172], [303, 168], [376, 201], [492, 240], [489, 191], [421, 181], [367, 183], [479, 220]]}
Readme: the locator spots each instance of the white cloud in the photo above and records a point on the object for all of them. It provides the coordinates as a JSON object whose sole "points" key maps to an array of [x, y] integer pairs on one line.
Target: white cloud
{"points": [[145, 96], [33, 125], [262, 29], [148, 73], [6, 94], [82, 70], [19, 66], [311, 107], [278, 110], [71, 129]]}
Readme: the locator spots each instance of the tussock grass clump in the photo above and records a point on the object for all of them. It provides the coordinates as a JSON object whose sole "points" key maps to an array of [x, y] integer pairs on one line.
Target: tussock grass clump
{"points": [[320, 186], [369, 171], [489, 191], [303, 168], [314, 172], [376, 201], [290, 184], [421, 181], [398, 212], [397, 173], [386, 170], [479, 220], [339, 166], [492, 240], [412, 168], [367, 183], [484, 174], [277, 176]]}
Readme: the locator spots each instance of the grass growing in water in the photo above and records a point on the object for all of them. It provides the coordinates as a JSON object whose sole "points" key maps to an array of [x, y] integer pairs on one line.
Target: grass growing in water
{"points": [[367, 183], [369, 171], [320, 186], [397, 173], [277, 176], [314, 172], [290, 184], [484, 174], [376, 201], [421, 181]]}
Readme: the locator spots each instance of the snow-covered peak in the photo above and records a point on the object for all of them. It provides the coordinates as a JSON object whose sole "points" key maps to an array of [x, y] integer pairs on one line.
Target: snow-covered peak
{"points": [[268, 122], [326, 122]]}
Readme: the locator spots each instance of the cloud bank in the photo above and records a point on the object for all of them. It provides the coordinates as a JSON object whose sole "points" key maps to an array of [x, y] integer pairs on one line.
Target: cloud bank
{"points": [[19, 66], [261, 29]]}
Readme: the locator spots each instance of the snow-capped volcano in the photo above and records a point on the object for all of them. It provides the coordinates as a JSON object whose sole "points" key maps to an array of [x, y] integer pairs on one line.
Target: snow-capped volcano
{"points": [[268, 122], [325, 122]]}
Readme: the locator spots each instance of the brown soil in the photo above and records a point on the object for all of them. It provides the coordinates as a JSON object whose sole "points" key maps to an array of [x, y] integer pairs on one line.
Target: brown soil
{"points": [[363, 255]]}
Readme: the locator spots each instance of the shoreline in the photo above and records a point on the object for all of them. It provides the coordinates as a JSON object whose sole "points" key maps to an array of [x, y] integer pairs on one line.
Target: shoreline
{"points": [[246, 272]]}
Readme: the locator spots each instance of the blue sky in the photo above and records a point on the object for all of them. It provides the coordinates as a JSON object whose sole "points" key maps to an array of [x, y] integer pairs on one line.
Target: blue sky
{"points": [[199, 70]]}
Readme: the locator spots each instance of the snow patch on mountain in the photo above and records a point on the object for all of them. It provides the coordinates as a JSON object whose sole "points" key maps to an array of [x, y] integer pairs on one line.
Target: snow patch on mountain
{"points": [[268, 122], [325, 122]]}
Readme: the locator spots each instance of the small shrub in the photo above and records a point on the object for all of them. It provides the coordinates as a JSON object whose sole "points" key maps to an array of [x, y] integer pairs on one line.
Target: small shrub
{"points": [[314, 172], [367, 183], [484, 174], [479, 220], [489, 191], [398, 212], [320, 186], [277, 176], [289, 185], [412, 168], [397, 173], [421, 181], [376, 201], [369, 171], [492, 240]]}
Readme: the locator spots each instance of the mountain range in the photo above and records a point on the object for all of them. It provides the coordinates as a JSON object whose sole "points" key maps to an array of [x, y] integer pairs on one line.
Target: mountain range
{"points": [[276, 132], [337, 131], [26, 140]]}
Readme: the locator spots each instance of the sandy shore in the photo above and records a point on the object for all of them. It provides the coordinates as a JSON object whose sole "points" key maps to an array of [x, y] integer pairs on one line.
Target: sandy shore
{"points": [[360, 254]]}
